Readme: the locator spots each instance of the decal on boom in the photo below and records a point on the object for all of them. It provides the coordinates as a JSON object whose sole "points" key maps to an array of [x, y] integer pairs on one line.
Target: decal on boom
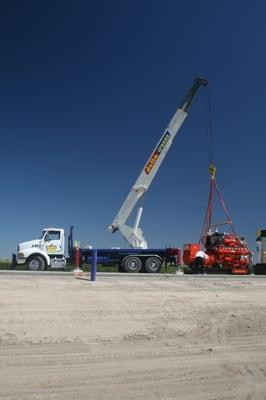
{"points": [[154, 157]]}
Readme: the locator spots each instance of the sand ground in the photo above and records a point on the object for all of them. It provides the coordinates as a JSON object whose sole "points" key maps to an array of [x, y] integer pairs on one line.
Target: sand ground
{"points": [[132, 337]]}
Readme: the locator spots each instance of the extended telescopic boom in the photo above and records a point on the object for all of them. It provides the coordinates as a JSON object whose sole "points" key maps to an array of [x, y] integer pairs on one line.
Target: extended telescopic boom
{"points": [[134, 235]]}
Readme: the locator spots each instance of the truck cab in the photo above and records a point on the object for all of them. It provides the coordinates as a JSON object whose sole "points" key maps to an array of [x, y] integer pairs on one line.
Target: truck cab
{"points": [[48, 252]]}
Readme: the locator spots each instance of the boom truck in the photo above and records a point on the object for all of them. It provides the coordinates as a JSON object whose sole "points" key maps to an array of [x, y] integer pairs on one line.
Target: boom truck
{"points": [[49, 250]]}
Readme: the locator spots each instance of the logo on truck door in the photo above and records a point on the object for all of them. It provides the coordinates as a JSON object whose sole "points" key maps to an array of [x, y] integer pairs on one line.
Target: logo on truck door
{"points": [[156, 154], [51, 248]]}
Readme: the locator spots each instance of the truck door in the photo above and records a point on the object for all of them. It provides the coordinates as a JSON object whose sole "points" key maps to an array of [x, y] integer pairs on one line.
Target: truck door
{"points": [[54, 242]]}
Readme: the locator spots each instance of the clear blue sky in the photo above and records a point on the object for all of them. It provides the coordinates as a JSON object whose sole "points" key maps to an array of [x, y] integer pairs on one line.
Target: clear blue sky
{"points": [[87, 88]]}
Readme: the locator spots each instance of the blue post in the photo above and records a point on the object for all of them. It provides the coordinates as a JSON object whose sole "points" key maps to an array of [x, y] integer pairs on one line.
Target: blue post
{"points": [[94, 265], [14, 261]]}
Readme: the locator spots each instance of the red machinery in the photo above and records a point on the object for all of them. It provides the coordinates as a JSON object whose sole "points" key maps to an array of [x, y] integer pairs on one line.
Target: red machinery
{"points": [[224, 251], [228, 252]]}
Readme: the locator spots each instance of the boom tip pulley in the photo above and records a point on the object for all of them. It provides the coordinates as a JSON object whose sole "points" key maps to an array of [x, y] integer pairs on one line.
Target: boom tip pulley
{"points": [[203, 81]]}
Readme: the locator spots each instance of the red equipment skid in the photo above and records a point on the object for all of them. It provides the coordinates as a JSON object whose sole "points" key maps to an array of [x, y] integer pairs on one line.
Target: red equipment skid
{"points": [[226, 252]]}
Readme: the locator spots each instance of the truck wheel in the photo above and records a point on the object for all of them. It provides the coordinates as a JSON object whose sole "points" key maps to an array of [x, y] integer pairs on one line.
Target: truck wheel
{"points": [[36, 263], [153, 265], [132, 264]]}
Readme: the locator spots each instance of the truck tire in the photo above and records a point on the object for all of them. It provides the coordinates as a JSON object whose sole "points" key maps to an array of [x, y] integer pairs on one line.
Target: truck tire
{"points": [[153, 265], [36, 263], [132, 264]]}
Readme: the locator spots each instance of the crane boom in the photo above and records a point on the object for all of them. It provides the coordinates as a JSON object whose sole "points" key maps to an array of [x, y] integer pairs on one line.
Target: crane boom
{"points": [[134, 235]]}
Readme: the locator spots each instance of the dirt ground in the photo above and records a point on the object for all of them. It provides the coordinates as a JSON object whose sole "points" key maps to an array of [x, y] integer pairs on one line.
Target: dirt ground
{"points": [[132, 337]]}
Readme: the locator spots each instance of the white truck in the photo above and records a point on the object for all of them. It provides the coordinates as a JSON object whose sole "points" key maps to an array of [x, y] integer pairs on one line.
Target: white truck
{"points": [[49, 250]]}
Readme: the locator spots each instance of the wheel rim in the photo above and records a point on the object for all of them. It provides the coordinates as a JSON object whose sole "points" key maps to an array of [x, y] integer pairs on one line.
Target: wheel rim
{"points": [[34, 264], [133, 265], [153, 265]]}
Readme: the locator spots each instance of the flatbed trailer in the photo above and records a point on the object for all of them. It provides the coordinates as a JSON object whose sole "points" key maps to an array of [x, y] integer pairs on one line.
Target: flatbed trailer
{"points": [[134, 260], [127, 260]]}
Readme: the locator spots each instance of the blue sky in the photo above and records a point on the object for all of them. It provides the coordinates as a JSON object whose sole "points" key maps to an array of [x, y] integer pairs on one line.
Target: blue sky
{"points": [[87, 88]]}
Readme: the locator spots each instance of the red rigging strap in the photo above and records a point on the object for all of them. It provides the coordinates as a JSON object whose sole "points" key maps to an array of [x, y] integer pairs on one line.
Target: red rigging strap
{"points": [[208, 216], [229, 219]]}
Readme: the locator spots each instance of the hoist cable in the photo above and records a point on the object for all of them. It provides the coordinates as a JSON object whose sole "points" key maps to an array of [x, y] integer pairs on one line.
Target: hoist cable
{"points": [[210, 127], [208, 121], [213, 185]]}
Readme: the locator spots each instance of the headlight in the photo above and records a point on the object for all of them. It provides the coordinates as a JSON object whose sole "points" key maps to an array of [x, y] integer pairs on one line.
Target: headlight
{"points": [[21, 255]]}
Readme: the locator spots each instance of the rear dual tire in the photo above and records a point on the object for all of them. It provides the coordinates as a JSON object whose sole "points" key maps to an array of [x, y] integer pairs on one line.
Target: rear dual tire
{"points": [[133, 264], [153, 265]]}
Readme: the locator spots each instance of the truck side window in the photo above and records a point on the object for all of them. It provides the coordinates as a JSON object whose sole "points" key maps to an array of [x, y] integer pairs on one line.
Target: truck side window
{"points": [[53, 235]]}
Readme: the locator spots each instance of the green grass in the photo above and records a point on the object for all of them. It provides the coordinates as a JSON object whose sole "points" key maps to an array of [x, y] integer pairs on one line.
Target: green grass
{"points": [[5, 264]]}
